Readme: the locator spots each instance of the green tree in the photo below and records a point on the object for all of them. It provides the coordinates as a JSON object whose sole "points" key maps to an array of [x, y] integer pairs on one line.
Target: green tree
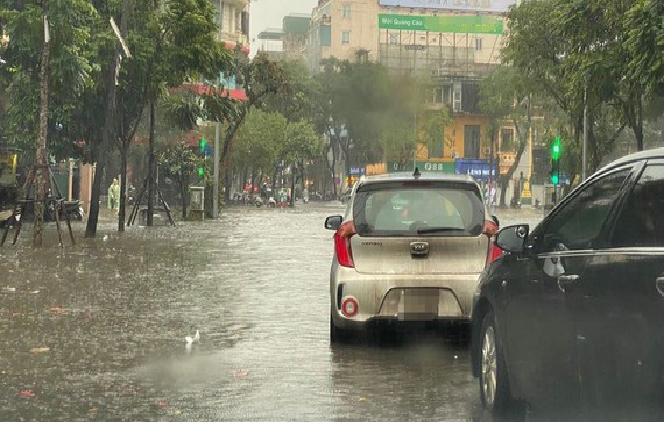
{"points": [[184, 45], [354, 97], [182, 164], [73, 70], [506, 96], [258, 143], [258, 77], [302, 143]]}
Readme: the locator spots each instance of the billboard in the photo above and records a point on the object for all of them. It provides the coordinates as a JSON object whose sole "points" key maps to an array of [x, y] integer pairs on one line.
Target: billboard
{"points": [[498, 6], [447, 24], [476, 168]]}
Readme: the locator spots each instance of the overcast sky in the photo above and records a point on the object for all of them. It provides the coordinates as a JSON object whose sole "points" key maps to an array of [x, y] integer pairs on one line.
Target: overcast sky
{"points": [[264, 14]]}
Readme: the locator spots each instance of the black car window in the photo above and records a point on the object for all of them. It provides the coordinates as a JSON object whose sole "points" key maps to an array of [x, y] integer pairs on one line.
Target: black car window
{"points": [[641, 220], [579, 223]]}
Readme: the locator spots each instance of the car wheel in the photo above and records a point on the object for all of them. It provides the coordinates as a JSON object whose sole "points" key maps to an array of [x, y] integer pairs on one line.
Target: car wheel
{"points": [[336, 334], [494, 388]]}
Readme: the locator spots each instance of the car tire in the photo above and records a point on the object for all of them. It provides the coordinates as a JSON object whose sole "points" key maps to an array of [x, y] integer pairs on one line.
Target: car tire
{"points": [[493, 379], [337, 335]]}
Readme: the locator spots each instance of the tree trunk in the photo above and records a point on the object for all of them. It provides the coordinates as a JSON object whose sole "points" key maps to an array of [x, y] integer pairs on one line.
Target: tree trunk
{"points": [[151, 164], [107, 138], [639, 125], [274, 177], [124, 147], [183, 194], [524, 140], [124, 152], [228, 183], [294, 170], [41, 175]]}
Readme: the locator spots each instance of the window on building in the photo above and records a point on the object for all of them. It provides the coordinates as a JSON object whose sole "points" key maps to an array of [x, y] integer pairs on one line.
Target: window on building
{"points": [[479, 44], [346, 11], [238, 19], [392, 38], [346, 35]]}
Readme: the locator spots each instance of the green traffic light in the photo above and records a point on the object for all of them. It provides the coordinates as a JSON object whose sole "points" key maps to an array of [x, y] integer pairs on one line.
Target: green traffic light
{"points": [[555, 179], [202, 143], [556, 148], [200, 171]]}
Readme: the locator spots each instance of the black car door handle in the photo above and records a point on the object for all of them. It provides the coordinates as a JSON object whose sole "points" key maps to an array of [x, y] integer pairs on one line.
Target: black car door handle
{"points": [[567, 280]]}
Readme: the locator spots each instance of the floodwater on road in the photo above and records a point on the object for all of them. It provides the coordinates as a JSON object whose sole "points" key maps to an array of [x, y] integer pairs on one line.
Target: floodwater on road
{"points": [[96, 332]]}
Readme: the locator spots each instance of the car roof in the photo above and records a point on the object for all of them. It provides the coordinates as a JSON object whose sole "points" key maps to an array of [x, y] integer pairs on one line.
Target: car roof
{"points": [[637, 156], [406, 176]]}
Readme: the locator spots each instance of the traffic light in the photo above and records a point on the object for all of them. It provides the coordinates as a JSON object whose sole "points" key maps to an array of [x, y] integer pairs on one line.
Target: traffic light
{"points": [[556, 153], [201, 172], [202, 145]]}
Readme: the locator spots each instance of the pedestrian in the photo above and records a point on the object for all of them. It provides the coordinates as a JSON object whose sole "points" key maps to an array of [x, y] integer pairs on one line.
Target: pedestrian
{"points": [[114, 195]]}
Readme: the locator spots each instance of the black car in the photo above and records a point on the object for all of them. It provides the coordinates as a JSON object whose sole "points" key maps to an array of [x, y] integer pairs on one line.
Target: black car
{"points": [[572, 314]]}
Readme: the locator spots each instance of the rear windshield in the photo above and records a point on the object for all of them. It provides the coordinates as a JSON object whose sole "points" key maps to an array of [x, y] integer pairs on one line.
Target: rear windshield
{"points": [[423, 208]]}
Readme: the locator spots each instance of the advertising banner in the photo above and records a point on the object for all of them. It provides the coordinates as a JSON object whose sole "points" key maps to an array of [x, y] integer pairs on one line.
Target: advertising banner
{"points": [[478, 169], [423, 167], [499, 6], [446, 24]]}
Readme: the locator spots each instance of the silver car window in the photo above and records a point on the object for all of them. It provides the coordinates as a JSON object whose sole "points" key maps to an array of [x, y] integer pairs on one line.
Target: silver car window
{"points": [[401, 208]]}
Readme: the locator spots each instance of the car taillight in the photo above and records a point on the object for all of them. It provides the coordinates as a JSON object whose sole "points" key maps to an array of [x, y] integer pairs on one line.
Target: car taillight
{"points": [[493, 251], [343, 244]]}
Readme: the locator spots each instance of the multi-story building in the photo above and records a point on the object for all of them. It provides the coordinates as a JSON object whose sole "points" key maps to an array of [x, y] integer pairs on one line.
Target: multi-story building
{"points": [[288, 42], [232, 18], [343, 29]]}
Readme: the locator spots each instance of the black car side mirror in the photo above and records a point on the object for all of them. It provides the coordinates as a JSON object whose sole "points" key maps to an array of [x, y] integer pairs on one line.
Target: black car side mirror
{"points": [[496, 220], [512, 238], [333, 222]]}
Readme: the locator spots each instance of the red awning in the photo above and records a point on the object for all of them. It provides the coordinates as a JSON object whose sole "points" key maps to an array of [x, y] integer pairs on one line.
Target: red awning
{"points": [[190, 138], [231, 46], [201, 89]]}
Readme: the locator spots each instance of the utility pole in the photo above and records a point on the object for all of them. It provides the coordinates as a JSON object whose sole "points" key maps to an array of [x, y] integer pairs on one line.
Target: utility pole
{"points": [[41, 174]]}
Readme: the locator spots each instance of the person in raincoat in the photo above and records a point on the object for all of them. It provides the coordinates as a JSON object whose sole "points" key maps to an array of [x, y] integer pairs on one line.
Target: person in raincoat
{"points": [[114, 195]]}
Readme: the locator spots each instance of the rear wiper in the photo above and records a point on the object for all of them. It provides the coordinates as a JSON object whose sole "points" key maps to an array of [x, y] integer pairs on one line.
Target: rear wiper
{"points": [[431, 230]]}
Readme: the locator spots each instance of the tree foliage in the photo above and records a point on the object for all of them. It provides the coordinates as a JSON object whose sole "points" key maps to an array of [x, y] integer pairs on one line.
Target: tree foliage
{"points": [[607, 56]]}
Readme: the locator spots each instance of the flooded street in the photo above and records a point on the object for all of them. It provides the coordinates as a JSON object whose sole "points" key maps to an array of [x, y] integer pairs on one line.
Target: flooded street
{"points": [[97, 331]]}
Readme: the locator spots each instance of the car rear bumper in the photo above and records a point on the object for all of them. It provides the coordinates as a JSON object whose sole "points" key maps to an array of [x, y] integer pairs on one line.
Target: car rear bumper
{"points": [[402, 297]]}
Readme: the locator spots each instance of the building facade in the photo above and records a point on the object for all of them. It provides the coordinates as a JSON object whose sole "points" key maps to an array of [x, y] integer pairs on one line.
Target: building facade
{"points": [[344, 29], [232, 19]]}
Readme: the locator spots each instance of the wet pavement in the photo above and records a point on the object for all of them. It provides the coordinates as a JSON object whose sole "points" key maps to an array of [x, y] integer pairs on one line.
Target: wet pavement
{"points": [[96, 332]]}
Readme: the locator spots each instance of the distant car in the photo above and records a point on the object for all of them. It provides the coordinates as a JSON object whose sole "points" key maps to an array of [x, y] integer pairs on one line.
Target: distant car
{"points": [[572, 315], [409, 248]]}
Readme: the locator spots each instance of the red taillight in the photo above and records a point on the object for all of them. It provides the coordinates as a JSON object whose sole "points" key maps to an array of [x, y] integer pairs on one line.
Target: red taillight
{"points": [[493, 251], [343, 244]]}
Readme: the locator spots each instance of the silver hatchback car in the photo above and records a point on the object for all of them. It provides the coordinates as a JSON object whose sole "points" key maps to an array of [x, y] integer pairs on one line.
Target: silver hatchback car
{"points": [[409, 248]]}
